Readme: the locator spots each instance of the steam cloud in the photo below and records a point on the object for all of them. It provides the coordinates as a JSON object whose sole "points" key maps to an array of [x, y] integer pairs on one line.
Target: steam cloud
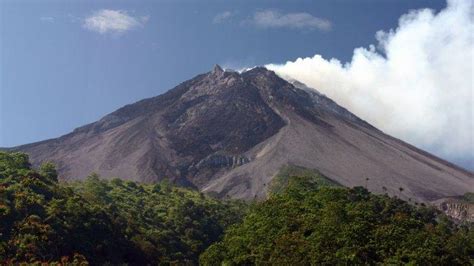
{"points": [[416, 84]]}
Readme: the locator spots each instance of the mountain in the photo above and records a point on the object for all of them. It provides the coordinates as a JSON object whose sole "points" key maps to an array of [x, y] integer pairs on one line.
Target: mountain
{"points": [[230, 133]]}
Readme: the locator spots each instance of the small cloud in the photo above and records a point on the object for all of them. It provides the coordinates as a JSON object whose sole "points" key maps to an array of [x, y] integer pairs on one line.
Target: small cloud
{"points": [[74, 18], [221, 17], [113, 21], [47, 19], [144, 19], [274, 19]]}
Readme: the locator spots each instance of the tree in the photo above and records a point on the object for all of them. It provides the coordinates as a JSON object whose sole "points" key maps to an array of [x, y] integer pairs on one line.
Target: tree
{"points": [[339, 226], [401, 190], [49, 171]]}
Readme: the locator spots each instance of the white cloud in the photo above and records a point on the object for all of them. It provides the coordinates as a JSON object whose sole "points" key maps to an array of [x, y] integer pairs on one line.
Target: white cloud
{"points": [[274, 19], [113, 21], [47, 19], [221, 17], [418, 87]]}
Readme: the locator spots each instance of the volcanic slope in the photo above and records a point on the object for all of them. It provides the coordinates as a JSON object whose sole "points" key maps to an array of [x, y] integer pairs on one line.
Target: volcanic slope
{"points": [[230, 133]]}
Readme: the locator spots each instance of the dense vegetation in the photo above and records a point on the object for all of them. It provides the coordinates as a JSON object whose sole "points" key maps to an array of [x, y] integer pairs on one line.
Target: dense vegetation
{"points": [[102, 221], [306, 220], [468, 197], [310, 224]]}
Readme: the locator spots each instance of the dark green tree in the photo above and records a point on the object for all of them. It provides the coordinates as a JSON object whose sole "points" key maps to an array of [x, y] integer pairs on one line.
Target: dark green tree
{"points": [[49, 171]]}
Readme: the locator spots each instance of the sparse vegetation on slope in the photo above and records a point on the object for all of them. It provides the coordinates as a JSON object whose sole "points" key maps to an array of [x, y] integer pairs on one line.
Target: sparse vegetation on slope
{"points": [[291, 173], [468, 197]]}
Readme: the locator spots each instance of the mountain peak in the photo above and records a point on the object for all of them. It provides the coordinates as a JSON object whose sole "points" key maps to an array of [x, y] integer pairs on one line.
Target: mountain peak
{"points": [[230, 133], [217, 69]]}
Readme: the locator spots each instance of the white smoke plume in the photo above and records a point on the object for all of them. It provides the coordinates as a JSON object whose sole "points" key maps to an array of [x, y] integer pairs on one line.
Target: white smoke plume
{"points": [[416, 83]]}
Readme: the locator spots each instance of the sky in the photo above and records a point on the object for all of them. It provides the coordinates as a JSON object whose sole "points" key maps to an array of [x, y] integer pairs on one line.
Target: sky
{"points": [[64, 64]]}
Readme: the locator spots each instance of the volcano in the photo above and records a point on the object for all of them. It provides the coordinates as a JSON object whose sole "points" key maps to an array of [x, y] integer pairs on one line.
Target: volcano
{"points": [[230, 133]]}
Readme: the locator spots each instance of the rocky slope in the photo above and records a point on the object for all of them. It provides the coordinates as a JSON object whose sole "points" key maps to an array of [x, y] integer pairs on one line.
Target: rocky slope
{"points": [[229, 133], [456, 208]]}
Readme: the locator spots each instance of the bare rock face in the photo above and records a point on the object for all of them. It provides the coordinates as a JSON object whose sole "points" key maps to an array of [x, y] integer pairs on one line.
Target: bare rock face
{"points": [[229, 133], [457, 209]]}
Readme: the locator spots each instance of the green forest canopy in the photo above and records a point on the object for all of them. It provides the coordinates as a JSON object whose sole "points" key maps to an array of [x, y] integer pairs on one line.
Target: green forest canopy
{"points": [[103, 221], [306, 220]]}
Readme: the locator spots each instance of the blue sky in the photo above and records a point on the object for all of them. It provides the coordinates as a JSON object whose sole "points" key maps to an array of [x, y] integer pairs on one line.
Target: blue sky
{"points": [[62, 64]]}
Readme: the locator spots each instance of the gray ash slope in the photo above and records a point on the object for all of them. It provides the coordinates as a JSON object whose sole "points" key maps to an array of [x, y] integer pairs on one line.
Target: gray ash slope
{"points": [[229, 133]]}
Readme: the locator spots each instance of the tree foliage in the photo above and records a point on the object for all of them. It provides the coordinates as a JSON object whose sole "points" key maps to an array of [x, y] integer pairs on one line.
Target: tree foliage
{"points": [[102, 221], [307, 224], [307, 220]]}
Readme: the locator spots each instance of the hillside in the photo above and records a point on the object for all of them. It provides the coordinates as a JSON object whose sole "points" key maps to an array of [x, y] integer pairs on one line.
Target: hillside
{"points": [[229, 134], [313, 223], [308, 220], [100, 222]]}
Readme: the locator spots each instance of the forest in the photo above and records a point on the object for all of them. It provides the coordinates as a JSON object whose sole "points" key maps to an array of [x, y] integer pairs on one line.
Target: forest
{"points": [[306, 220]]}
